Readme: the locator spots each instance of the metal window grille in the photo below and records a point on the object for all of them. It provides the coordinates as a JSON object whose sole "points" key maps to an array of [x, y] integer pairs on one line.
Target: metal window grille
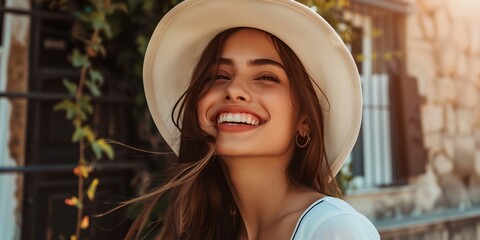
{"points": [[47, 172]]}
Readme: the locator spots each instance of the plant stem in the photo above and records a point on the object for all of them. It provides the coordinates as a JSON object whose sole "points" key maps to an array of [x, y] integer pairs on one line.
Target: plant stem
{"points": [[80, 192], [80, 161], [80, 85]]}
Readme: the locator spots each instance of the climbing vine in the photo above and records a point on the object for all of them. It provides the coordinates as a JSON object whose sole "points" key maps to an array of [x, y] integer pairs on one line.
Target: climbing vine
{"points": [[94, 29]]}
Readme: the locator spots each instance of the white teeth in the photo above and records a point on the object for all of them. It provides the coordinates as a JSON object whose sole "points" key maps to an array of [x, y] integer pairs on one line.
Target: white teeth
{"points": [[237, 118]]}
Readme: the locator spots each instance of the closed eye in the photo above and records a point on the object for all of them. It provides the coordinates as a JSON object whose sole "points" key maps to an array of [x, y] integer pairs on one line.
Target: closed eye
{"points": [[269, 77], [222, 77]]}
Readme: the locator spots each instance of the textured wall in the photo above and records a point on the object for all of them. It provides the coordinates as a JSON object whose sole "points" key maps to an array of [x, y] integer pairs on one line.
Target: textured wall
{"points": [[13, 117], [443, 54]]}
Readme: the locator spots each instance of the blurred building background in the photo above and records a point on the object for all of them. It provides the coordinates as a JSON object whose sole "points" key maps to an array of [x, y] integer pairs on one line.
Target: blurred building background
{"points": [[416, 166], [415, 170]]}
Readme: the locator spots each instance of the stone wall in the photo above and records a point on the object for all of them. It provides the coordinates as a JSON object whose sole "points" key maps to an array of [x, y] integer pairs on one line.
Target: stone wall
{"points": [[443, 53], [458, 230]]}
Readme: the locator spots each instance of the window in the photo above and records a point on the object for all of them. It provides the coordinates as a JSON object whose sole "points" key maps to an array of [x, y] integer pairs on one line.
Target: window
{"points": [[371, 159], [377, 46]]}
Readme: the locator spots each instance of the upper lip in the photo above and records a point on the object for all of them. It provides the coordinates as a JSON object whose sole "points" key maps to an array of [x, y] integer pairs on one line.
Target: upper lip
{"points": [[235, 109]]}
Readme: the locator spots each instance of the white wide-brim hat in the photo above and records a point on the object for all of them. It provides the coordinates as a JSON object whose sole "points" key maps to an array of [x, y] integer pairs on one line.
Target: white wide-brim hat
{"points": [[184, 31]]}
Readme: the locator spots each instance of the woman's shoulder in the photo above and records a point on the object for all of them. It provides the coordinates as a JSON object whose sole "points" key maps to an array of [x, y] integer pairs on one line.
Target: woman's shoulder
{"points": [[333, 218]]}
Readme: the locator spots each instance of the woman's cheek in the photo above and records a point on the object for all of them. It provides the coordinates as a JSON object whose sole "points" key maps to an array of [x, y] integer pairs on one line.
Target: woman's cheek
{"points": [[202, 116]]}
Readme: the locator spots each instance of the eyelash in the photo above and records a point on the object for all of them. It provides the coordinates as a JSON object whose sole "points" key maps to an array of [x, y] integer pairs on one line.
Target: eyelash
{"points": [[221, 76], [269, 77]]}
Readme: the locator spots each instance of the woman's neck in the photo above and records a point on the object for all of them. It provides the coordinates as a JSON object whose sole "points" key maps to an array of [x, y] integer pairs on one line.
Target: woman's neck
{"points": [[260, 189]]}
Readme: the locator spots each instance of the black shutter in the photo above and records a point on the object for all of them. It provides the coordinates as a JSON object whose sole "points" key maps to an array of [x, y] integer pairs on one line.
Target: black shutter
{"points": [[409, 153]]}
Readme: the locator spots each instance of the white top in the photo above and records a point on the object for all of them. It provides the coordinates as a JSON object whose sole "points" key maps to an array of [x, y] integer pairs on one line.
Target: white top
{"points": [[333, 219]]}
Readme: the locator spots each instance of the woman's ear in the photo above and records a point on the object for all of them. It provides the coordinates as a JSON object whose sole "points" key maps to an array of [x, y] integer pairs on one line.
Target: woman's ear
{"points": [[303, 126]]}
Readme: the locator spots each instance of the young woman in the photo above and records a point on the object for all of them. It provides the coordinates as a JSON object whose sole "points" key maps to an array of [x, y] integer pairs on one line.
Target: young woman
{"points": [[270, 107]]}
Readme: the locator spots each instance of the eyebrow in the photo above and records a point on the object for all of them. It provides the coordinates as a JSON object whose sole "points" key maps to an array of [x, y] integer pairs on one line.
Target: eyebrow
{"points": [[254, 62]]}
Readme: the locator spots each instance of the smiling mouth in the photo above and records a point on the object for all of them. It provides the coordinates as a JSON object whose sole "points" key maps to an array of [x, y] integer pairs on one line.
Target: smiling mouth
{"points": [[237, 118]]}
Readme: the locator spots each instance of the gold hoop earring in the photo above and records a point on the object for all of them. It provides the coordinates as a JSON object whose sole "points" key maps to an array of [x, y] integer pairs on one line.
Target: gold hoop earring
{"points": [[305, 143]]}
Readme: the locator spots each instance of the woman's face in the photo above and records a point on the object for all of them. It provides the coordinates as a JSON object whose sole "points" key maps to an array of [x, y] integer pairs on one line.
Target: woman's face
{"points": [[248, 106]]}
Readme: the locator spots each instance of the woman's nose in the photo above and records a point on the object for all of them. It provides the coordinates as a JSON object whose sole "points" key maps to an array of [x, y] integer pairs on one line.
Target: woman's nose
{"points": [[237, 91]]}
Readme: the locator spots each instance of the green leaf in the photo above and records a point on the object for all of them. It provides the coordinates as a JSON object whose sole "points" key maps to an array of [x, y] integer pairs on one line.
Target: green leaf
{"points": [[80, 113], [67, 105], [106, 148], [72, 109], [89, 134], [78, 134], [83, 132], [96, 76], [98, 20], [97, 150], [71, 87], [79, 60], [93, 88], [84, 104], [107, 29]]}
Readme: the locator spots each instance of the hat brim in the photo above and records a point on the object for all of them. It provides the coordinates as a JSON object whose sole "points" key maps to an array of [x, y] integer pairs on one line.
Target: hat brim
{"points": [[184, 31]]}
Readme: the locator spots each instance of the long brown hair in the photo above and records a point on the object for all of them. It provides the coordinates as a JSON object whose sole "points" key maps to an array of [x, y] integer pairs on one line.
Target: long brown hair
{"points": [[200, 204]]}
